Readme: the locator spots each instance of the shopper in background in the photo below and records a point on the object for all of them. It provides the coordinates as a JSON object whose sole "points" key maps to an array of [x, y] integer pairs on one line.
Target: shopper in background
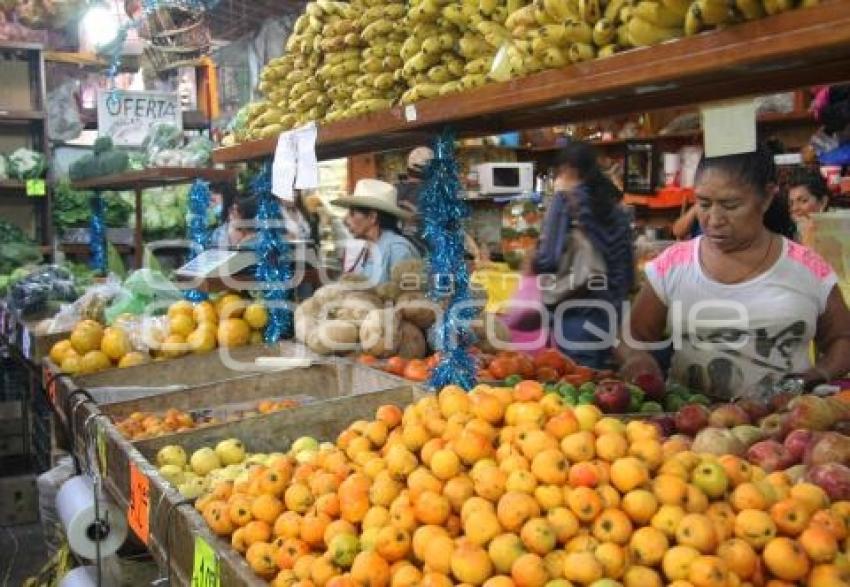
{"points": [[222, 196], [373, 218], [235, 228], [408, 193], [743, 300], [807, 194], [586, 198]]}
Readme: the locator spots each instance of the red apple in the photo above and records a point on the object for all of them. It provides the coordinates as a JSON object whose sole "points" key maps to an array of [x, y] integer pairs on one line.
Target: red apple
{"points": [[692, 418], [666, 425], [832, 478], [797, 442], [770, 456], [728, 416], [612, 396], [652, 385], [828, 447], [755, 409]]}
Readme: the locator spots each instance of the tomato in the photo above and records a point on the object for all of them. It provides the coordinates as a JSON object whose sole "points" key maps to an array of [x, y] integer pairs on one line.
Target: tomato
{"points": [[416, 370], [551, 358], [547, 374], [367, 359], [396, 365]]}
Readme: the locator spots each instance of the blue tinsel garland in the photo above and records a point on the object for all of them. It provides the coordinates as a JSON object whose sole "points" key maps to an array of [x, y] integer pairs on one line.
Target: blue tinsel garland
{"points": [[274, 259], [97, 236], [196, 230], [443, 215]]}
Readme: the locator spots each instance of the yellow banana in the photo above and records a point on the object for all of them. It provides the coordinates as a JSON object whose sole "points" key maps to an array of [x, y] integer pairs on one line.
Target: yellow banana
{"points": [[450, 88], [384, 81], [706, 13], [606, 51], [410, 48], [554, 34], [364, 94], [658, 14], [643, 34], [487, 7], [589, 11], [578, 31], [750, 9], [456, 68], [301, 24], [561, 10], [372, 65], [539, 46], [612, 9], [392, 62], [776, 6], [809, 3], [604, 32], [513, 5], [454, 14], [473, 80], [521, 17], [439, 74], [579, 52], [542, 17], [553, 58], [480, 65], [432, 46]]}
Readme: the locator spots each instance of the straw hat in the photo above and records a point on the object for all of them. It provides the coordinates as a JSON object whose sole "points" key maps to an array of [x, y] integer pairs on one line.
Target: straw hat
{"points": [[374, 195]]}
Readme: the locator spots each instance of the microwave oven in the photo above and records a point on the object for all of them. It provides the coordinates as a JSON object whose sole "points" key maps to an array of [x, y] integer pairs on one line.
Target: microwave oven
{"points": [[505, 178]]}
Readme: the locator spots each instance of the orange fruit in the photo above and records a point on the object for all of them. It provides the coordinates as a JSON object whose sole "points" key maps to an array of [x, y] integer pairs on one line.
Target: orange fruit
{"points": [[819, 544], [371, 570], [708, 571], [529, 570], [647, 546], [786, 559]]}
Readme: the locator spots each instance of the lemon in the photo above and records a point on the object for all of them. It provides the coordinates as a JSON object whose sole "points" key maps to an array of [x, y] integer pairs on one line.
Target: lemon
{"points": [[181, 324], [233, 332], [202, 339], [230, 306], [132, 359], [115, 343], [205, 312], [94, 361], [256, 316], [59, 350], [181, 307], [174, 346], [86, 336]]}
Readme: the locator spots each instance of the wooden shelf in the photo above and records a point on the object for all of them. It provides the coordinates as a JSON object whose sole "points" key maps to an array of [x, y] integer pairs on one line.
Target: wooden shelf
{"points": [[84, 249], [787, 51], [154, 177], [21, 115], [81, 59], [12, 187]]}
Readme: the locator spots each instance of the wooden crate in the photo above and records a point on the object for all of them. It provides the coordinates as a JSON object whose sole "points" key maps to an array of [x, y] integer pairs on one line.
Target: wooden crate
{"points": [[173, 527]]}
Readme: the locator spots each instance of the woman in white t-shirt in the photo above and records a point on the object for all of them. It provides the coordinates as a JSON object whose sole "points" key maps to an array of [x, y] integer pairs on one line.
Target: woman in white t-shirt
{"points": [[742, 303]]}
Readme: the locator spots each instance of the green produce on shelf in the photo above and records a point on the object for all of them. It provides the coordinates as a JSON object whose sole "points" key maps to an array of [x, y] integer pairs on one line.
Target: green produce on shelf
{"points": [[72, 207], [26, 164]]}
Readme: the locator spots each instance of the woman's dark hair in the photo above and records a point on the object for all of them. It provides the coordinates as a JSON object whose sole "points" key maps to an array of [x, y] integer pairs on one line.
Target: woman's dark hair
{"points": [[758, 171], [246, 206], [582, 157], [386, 221], [812, 180], [228, 196]]}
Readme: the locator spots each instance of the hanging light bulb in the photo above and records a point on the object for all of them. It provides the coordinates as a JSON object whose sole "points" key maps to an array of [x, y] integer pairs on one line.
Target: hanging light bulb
{"points": [[100, 25]]}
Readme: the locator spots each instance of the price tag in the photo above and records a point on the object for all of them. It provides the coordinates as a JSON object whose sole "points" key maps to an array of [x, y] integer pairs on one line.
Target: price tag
{"points": [[49, 384], [138, 512], [205, 569], [101, 450], [36, 188], [26, 343], [410, 113]]}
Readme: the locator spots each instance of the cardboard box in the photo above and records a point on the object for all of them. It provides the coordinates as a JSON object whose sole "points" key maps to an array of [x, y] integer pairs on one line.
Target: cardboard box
{"points": [[16, 89]]}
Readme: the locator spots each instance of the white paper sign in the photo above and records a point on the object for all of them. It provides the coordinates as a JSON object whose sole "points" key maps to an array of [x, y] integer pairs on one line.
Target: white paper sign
{"points": [[307, 173], [284, 167], [127, 116], [729, 128]]}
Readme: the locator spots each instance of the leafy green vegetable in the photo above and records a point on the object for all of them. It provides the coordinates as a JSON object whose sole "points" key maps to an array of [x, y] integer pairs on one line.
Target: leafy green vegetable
{"points": [[27, 164], [73, 208]]}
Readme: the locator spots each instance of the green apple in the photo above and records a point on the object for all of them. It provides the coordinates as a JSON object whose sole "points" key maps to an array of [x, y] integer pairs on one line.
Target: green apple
{"points": [[204, 460], [230, 451], [173, 474], [343, 548], [306, 456], [710, 478], [305, 443], [173, 454]]}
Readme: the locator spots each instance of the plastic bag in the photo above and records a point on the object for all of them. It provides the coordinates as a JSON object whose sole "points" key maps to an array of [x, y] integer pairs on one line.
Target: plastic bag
{"points": [[144, 291], [63, 121], [90, 305], [162, 137]]}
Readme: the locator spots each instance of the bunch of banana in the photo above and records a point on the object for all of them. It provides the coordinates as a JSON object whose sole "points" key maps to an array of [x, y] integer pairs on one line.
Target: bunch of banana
{"points": [[379, 82]]}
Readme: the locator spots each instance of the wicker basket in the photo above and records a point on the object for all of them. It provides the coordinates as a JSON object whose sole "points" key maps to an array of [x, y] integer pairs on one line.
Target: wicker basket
{"points": [[176, 37]]}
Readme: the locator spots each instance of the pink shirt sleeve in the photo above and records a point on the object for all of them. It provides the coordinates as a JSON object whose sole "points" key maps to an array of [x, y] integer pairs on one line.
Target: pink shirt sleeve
{"points": [[660, 271], [822, 273]]}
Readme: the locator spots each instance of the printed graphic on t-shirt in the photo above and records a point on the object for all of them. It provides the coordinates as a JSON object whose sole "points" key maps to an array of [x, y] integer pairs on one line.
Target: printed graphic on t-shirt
{"points": [[728, 362]]}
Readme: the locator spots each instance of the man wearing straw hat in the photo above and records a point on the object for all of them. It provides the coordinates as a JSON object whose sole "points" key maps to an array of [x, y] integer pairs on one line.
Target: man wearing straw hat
{"points": [[373, 217]]}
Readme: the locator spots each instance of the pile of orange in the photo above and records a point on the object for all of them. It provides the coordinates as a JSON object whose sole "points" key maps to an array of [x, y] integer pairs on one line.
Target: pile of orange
{"points": [[549, 365], [509, 488]]}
